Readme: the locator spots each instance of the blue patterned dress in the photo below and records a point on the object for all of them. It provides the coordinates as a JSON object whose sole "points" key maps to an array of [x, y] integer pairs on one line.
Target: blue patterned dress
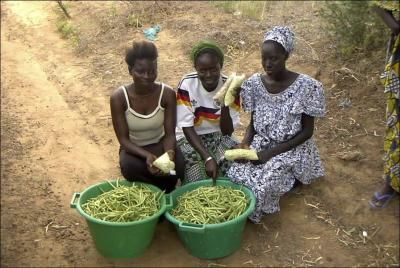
{"points": [[277, 118]]}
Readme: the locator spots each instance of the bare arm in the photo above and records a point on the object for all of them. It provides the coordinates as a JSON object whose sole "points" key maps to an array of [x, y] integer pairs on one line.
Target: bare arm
{"points": [[306, 132], [118, 107], [388, 18], [169, 139], [249, 134], [225, 123]]}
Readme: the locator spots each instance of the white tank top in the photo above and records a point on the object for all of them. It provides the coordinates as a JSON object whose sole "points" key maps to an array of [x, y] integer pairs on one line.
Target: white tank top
{"points": [[145, 129]]}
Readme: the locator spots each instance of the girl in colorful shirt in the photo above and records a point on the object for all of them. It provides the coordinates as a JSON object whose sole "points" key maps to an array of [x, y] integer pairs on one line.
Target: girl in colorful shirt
{"points": [[204, 128]]}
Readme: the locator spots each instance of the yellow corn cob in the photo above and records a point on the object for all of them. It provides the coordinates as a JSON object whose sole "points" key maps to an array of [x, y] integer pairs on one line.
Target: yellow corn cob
{"points": [[164, 164], [233, 89], [220, 96], [234, 154]]}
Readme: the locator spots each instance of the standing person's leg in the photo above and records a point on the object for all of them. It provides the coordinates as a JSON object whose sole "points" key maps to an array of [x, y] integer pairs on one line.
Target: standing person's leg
{"points": [[390, 80], [391, 156], [392, 147]]}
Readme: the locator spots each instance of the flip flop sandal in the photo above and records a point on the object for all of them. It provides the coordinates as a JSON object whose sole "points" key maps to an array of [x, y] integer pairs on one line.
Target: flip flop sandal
{"points": [[383, 199]]}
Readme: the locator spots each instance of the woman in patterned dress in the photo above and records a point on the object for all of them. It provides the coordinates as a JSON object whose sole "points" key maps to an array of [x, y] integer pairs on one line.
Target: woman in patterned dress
{"points": [[388, 11], [283, 105]]}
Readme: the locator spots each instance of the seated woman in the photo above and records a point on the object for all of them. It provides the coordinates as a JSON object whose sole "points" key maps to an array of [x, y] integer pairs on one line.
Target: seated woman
{"points": [[144, 118], [283, 105], [207, 127]]}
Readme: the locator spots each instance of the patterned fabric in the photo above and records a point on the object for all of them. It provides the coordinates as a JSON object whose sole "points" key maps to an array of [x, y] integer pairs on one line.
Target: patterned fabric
{"points": [[390, 80], [283, 35], [216, 145], [277, 118], [390, 76]]}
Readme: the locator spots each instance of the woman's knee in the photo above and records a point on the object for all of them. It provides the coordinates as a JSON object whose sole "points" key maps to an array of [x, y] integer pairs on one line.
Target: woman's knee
{"points": [[155, 148], [278, 187], [132, 167]]}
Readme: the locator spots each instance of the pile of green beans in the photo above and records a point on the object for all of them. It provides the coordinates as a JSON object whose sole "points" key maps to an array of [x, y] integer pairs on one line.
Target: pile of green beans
{"points": [[124, 203], [210, 204]]}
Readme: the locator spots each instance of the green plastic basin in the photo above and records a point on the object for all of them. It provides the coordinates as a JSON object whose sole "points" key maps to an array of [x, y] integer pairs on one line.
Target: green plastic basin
{"points": [[118, 240], [211, 241]]}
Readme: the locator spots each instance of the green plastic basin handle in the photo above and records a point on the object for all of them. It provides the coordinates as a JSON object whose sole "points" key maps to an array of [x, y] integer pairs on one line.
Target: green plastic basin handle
{"points": [[75, 199], [168, 201], [193, 228], [223, 178]]}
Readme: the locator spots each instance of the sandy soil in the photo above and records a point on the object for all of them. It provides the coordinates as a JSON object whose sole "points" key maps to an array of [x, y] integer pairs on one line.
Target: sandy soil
{"points": [[57, 137]]}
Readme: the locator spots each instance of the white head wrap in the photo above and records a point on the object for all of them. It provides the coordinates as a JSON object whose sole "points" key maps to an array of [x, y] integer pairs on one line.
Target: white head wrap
{"points": [[283, 35]]}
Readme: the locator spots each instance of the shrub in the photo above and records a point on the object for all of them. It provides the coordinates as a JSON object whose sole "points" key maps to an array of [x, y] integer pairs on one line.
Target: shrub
{"points": [[65, 28], [353, 26]]}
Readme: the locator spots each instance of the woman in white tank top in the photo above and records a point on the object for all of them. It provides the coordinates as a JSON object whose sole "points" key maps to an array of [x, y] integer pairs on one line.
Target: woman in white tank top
{"points": [[144, 119]]}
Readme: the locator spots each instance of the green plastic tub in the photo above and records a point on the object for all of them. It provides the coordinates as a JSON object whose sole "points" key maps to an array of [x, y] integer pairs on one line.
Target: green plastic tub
{"points": [[118, 240], [211, 241]]}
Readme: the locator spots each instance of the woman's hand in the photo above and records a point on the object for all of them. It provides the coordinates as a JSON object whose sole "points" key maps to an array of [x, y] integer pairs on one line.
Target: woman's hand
{"points": [[211, 168], [263, 157], [149, 162], [242, 146], [171, 154]]}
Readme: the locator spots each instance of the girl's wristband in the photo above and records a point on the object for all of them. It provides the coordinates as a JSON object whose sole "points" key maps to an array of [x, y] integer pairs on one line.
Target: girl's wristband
{"points": [[208, 159]]}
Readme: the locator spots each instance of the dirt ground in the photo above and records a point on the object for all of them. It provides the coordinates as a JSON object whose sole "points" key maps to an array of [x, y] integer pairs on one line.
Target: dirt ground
{"points": [[57, 136]]}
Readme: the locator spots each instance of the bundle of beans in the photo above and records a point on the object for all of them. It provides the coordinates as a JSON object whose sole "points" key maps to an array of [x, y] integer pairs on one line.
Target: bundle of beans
{"points": [[124, 203], [210, 204]]}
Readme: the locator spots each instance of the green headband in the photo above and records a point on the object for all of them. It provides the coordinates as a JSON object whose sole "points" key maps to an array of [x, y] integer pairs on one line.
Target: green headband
{"points": [[206, 45]]}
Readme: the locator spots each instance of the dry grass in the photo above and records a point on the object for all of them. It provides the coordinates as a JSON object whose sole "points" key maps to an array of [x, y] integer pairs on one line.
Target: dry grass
{"points": [[354, 237], [253, 9]]}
